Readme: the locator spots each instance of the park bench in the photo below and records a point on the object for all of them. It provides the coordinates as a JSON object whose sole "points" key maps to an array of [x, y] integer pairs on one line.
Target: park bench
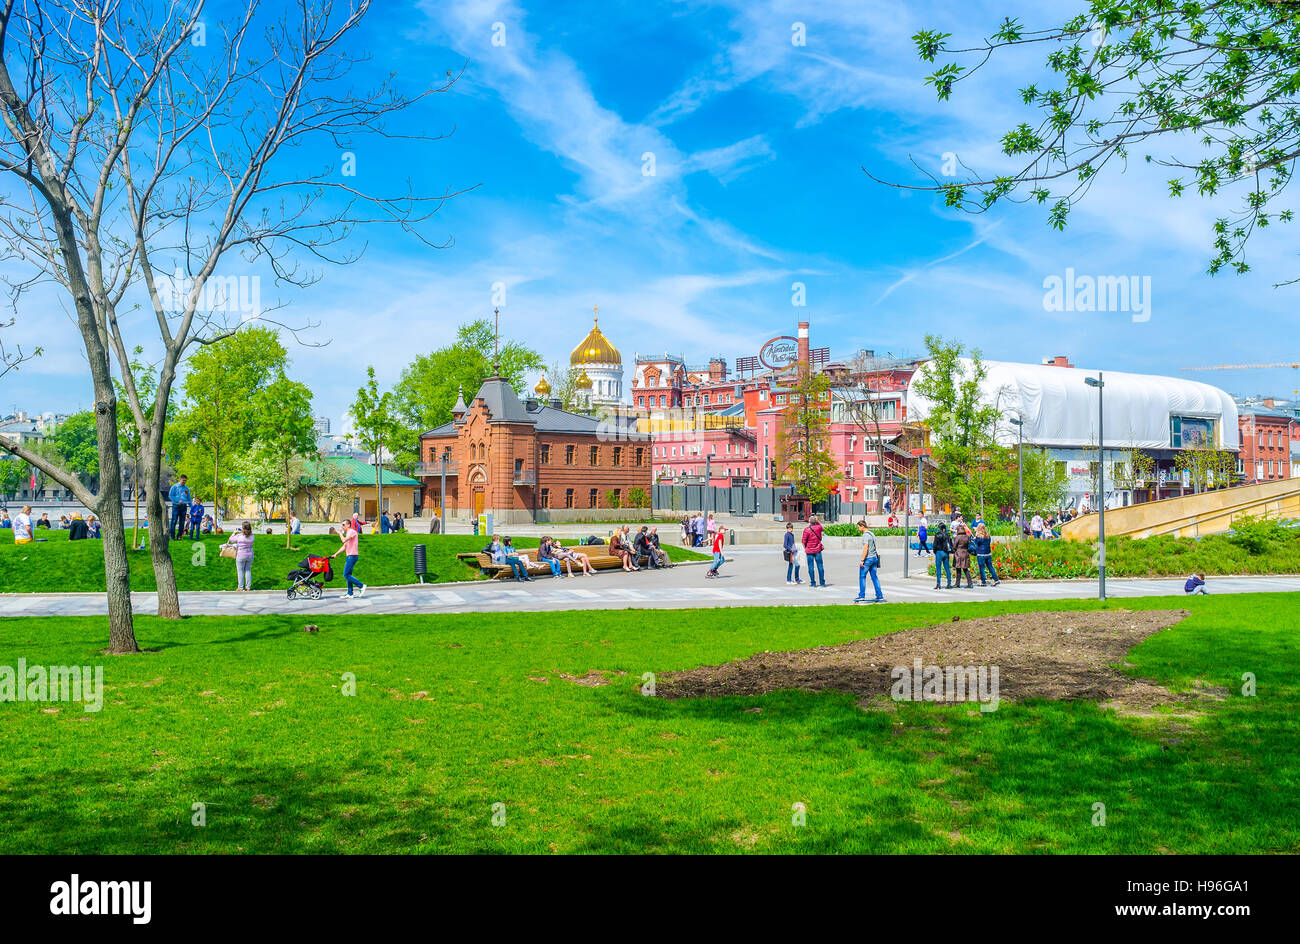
{"points": [[538, 568]]}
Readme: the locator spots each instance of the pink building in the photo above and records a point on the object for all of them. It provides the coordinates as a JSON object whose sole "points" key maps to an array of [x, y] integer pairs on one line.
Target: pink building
{"points": [[729, 455]]}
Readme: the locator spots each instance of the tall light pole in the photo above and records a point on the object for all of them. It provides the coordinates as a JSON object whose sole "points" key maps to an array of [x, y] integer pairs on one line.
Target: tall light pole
{"points": [[442, 495], [1019, 424], [1101, 487]]}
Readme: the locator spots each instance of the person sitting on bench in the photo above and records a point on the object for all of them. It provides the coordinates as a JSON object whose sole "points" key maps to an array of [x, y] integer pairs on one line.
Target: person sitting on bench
{"points": [[503, 553], [546, 554], [643, 549], [660, 555], [618, 547]]}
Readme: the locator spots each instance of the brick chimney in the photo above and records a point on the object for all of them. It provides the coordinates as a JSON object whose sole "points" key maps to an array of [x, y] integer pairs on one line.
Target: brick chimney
{"points": [[803, 346]]}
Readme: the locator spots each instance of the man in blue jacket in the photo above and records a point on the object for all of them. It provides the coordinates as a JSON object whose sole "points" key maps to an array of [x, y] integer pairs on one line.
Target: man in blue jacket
{"points": [[179, 496]]}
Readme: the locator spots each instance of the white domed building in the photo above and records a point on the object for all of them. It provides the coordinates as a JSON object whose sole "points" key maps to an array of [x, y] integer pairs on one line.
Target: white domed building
{"points": [[602, 367]]}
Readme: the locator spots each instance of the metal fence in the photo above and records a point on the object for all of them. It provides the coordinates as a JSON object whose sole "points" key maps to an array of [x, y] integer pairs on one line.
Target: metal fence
{"points": [[742, 500]]}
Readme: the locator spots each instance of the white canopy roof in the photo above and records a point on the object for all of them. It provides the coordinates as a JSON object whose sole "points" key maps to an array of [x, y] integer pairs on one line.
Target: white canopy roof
{"points": [[1059, 409]]}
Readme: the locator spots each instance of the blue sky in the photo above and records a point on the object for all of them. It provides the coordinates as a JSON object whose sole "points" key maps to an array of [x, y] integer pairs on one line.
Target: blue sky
{"points": [[757, 147]]}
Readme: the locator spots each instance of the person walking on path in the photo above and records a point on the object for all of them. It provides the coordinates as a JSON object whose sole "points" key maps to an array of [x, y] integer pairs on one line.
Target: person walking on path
{"points": [[350, 541], [790, 553], [922, 533], [700, 526], [242, 542], [868, 565], [942, 548], [196, 517], [711, 528], [982, 545], [961, 554], [719, 542], [811, 539], [179, 496]]}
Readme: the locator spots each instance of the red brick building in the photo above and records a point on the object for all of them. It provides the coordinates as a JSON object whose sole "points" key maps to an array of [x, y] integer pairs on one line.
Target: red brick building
{"points": [[529, 460], [1265, 454]]}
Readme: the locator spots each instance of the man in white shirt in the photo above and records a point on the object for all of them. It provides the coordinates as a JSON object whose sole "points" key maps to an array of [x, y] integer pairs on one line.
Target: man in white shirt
{"points": [[1036, 526], [23, 525]]}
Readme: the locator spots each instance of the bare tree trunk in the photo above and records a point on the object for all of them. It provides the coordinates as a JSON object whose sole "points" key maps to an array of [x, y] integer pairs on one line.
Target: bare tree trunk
{"points": [[169, 603]]}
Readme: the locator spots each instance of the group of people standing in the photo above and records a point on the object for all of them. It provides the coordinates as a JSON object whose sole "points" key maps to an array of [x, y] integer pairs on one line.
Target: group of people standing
{"points": [[952, 549], [189, 518]]}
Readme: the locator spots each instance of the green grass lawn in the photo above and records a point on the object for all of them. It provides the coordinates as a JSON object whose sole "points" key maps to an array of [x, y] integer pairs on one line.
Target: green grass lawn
{"points": [[386, 559], [455, 713]]}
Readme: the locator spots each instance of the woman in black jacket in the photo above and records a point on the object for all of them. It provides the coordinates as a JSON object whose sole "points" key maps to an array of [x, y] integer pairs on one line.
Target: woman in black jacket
{"points": [[942, 550]]}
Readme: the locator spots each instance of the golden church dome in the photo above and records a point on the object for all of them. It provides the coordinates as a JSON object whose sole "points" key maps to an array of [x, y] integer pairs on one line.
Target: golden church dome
{"points": [[583, 382], [543, 389], [595, 349]]}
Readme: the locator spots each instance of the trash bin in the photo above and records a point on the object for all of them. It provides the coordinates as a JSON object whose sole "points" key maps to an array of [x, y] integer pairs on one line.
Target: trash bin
{"points": [[421, 561]]}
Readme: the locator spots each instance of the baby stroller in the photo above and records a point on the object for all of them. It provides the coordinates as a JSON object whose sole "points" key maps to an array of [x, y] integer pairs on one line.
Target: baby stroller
{"points": [[309, 578]]}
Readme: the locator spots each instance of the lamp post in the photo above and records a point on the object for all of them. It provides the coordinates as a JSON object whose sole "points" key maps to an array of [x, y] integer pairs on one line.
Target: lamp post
{"points": [[907, 507], [1019, 424], [1101, 487], [442, 495]]}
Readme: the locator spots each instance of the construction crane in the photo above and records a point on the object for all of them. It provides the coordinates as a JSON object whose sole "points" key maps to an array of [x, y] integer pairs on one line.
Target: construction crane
{"points": [[1242, 366]]}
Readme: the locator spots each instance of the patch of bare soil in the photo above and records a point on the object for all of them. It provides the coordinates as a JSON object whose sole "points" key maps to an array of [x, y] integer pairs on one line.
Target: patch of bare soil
{"points": [[1039, 655]]}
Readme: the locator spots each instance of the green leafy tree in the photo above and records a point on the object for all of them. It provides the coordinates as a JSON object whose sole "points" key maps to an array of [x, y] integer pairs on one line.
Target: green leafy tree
{"points": [[288, 436], [377, 426], [1205, 89], [962, 425], [13, 473], [217, 418], [803, 453], [76, 442], [427, 388]]}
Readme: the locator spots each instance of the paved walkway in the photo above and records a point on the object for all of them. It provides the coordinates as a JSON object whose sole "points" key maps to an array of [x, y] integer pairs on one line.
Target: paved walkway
{"points": [[751, 577]]}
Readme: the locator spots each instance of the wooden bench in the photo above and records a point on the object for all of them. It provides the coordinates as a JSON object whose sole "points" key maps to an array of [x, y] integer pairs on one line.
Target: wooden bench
{"points": [[596, 553]]}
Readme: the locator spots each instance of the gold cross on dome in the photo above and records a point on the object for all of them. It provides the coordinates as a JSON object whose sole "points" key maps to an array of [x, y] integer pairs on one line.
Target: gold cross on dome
{"points": [[596, 311]]}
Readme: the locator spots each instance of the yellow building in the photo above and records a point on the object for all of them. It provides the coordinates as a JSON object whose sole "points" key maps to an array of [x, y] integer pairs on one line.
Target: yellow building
{"points": [[333, 489]]}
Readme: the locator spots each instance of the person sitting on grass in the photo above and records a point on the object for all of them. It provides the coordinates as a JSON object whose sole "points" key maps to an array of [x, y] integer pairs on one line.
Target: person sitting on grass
{"points": [[45, 521], [23, 525], [5, 523], [1195, 584], [92, 526], [77, 528]]}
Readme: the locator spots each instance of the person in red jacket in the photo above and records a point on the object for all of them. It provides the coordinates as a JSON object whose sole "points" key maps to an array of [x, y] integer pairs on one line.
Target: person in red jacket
{"points": [[812, 545], [719, 541]]}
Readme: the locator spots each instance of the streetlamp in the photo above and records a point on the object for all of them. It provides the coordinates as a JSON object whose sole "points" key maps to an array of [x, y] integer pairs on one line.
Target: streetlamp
{"points": [[907, 507], [1019, 424], [442, 495], [1101, 487]]}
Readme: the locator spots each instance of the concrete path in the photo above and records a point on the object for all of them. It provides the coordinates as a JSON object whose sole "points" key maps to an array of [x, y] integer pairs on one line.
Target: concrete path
{"points": [[751, 577]]}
